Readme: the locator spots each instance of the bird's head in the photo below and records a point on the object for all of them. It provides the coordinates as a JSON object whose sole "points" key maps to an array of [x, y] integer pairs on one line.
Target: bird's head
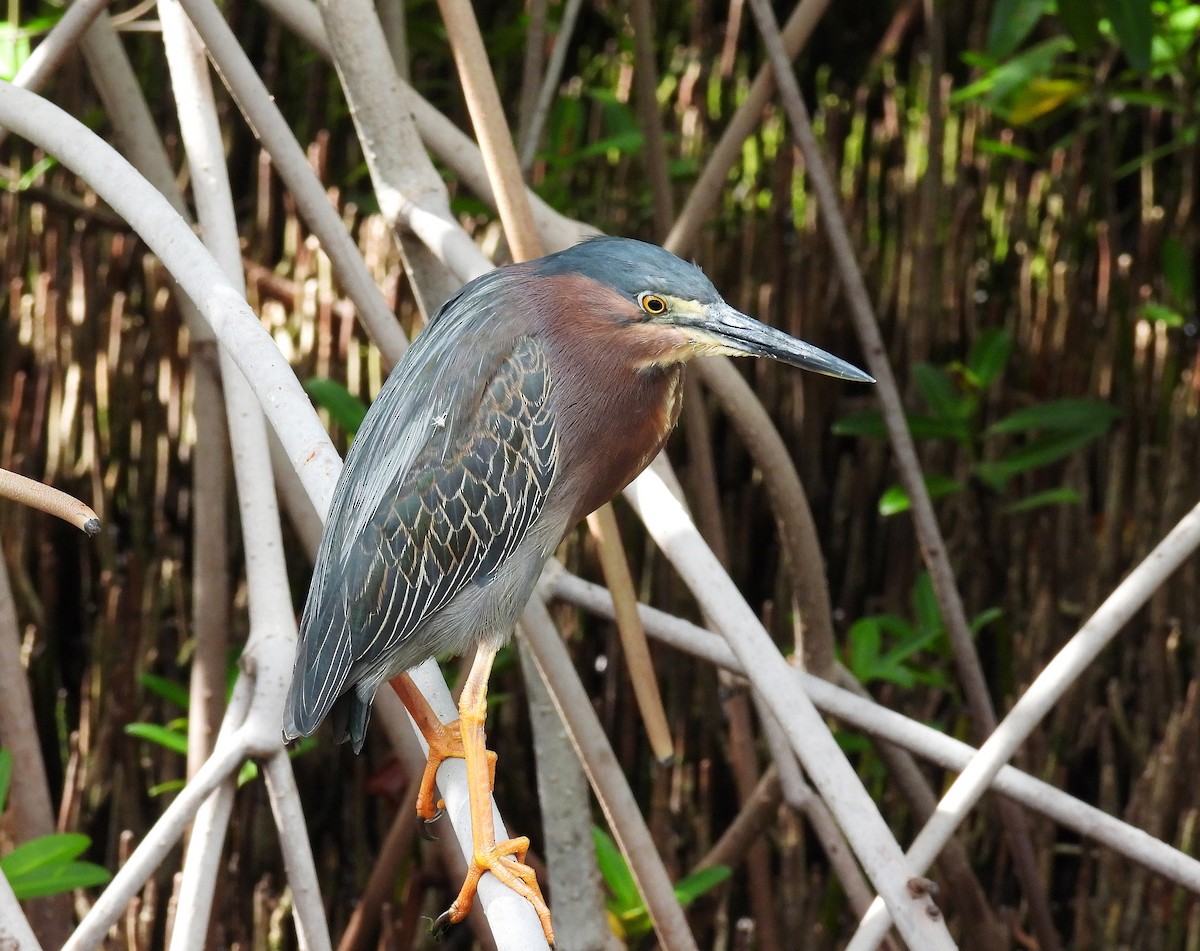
{"points": [[664, 310]]}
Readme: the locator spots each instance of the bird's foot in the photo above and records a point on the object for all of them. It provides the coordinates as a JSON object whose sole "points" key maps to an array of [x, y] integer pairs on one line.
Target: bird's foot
{"points": [[505, 860], [445, 742]]}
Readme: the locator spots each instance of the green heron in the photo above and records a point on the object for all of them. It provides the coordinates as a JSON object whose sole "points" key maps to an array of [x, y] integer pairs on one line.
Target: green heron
{"points": [[533, 397]]}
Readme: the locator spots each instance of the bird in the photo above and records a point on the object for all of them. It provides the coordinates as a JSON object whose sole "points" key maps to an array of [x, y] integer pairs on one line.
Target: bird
{"points": [[534, 395]]}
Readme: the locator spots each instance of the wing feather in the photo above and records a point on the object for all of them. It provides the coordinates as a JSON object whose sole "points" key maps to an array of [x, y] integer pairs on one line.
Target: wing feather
{"points": [[418, 518]]}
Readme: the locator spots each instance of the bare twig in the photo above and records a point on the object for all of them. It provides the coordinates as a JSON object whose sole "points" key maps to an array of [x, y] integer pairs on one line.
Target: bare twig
{"points": [[47, 499], [532, 132], [620, 808], [579, 917], [491, 128], [56, 46], [443, 138], [645, 87], [933, 546], [917, 920], [31, 812], [313, 204], [789, 505], [603, 526], [15, 932], [1108, 620], [364, 922], [883, 723]]}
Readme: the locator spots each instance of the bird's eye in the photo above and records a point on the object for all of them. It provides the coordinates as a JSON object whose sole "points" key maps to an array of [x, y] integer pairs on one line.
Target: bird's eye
{"points": [[653, 305]]}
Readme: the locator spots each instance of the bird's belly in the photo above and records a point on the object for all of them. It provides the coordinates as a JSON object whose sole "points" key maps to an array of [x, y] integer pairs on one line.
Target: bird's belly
{"points": [[481, 612]]}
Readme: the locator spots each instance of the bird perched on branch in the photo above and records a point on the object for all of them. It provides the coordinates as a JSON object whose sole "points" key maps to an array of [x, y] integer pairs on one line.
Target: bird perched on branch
{"points": [[534, 396]]}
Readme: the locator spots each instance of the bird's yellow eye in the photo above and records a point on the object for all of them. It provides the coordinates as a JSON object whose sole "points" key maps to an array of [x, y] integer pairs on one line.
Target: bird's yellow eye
{"points": [[653, 305]]}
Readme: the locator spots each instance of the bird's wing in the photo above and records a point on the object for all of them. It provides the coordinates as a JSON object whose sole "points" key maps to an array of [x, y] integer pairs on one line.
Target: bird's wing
{"points": [[439, 504]]}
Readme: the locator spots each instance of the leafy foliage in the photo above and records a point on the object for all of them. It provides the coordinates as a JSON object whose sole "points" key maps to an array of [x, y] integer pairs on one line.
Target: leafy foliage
{"points": [[1023, 81], [627, 912], [173, 735], [48, 864], [953, 396], [886, 647]]}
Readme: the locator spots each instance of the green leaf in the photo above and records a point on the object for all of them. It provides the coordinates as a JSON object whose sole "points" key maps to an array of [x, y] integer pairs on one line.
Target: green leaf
{"points": [[35, 171], [1080, 416], [6, 764], [170, 786], [1041, 96], [1012, 22], [984, 618], [1133, 23], [248, 773], [1161, 314], [691, 887], [45, 850], [14, 51], [1042, 499], [988, 356], [869, 662], [895, 499], [628, 142], [1037, 453], [925, 604], [1000, 83], [868, 422], [153, 733], [1007, 150], [865, 645], [1082, 20], [940, 392], [167, 689], [1177, 270], [56, 879], [616, 873], [346, 409]]}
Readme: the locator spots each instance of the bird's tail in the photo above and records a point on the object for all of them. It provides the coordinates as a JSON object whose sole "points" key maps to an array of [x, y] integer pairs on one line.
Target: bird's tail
{"points": [[319, 677]]}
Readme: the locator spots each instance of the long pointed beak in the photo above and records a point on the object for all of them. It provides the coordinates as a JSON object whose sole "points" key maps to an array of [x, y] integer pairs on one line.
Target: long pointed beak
{"points": [[739, 334]]}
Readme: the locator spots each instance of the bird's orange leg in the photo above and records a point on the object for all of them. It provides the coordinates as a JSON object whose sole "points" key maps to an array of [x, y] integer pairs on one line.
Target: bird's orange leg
{"points": [[444, 740], [505, 860]]}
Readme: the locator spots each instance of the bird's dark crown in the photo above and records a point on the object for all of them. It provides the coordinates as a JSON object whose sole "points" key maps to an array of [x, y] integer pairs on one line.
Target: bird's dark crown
{"points": [[631, 267]]}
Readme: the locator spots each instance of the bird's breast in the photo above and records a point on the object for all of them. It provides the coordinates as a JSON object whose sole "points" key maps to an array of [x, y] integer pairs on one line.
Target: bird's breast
{"points": [[611, 432]]}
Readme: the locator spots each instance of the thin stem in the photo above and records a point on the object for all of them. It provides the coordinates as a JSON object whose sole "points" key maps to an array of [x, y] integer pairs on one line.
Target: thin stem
{"points": [[307, 907], [30, 811], [933, 546], [158, 842], [364, 922], [616, 799], [603, 525], [789, 505], [882, 723], [645, 87], [491, 128], [272, 130], [50, 500], [15, 932], [710, 186], [1108, 620], [917, 920], [531, 134]]}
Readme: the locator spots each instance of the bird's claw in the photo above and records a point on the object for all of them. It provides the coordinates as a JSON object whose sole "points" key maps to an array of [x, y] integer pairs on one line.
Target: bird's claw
{"points": [[428, 832], [441, 925], [505, 860], [444, 745]]}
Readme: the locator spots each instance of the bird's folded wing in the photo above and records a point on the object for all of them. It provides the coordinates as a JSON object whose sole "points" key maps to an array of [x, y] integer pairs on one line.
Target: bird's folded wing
{"points": [[408, 530]]}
